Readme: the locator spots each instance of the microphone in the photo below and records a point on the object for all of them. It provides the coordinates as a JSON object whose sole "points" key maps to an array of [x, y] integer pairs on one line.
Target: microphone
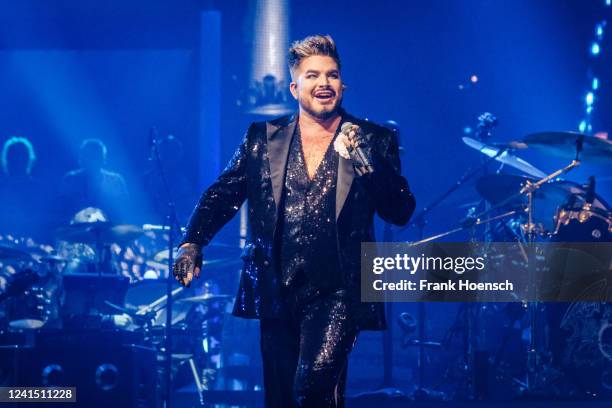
{"points": [[360, 158], [152, 142]]}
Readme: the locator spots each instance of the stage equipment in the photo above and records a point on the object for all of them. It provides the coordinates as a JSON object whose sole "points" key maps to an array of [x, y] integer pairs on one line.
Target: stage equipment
{"points": [[106, 368], [567, 145]]}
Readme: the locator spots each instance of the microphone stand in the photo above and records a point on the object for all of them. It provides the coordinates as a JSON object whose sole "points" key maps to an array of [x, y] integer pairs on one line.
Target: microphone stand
{"points": [[173, 226]]}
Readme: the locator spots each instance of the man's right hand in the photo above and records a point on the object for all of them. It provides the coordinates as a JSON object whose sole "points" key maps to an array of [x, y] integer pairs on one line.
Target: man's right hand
{"points": [[188, 263]]}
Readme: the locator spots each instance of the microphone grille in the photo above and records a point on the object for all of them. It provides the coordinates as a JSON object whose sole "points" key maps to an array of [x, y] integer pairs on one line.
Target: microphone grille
{"points": [[345, 126]]}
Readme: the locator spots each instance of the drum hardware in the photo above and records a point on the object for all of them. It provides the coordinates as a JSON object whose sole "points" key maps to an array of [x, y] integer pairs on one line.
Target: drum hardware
{"points": [[159, 304], [98, 231], [86, 296], [466, 224], [142, 320], [486, 122], [535, 381], [28, 306], [536, 375], [19, 283], [31, 310], [528, 198], [100, 234], [187, 335], [498, 188]]}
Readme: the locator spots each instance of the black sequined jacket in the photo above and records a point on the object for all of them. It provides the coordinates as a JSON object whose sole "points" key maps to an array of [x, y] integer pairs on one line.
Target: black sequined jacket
{"points": [[256, 173]]}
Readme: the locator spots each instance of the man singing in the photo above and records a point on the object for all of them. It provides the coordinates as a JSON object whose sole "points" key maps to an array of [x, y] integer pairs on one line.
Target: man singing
{"points": [[313, 182]]}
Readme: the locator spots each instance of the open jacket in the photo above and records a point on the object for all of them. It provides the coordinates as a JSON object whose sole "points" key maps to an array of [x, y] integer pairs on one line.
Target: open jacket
{"points": [[256, 173]]}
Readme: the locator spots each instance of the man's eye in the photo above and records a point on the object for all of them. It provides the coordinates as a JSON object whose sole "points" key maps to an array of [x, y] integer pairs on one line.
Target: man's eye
{"points": [[334, 76]]}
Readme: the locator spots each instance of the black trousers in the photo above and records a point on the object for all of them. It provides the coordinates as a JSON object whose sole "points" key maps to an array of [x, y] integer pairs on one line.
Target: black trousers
{"points": [[305, 353]]}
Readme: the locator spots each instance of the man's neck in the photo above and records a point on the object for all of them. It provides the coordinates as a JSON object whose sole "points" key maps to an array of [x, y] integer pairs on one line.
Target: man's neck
{"points": [[309, 123]]}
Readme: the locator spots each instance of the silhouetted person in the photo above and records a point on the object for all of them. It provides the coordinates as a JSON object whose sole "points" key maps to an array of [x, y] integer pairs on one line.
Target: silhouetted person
{"points": [[93, 186], [21, 195]]}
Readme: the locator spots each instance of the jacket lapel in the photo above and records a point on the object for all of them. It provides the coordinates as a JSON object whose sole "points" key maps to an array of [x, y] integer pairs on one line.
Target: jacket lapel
{"points": [[346, 172], [279, 138], [343, 186]]}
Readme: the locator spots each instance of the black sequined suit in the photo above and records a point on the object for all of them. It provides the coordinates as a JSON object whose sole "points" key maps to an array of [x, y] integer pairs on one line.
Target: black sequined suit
{"points": [[257, 173]]}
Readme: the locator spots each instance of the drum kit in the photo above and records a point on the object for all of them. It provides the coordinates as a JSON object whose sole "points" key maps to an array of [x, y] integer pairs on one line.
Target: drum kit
{"points": [[106, 276], [546, 206], [566, 340]]}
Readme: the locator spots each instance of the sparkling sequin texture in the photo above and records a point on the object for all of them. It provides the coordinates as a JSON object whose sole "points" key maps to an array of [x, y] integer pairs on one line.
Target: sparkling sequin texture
{"points": [[308, 225], [305, 353], [256, 173]]}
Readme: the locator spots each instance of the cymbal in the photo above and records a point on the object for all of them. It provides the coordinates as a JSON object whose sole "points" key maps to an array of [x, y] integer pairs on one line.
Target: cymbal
{"points": [[205, 298], [98, 232], [563, 144], [10, 254], [505, 157]]}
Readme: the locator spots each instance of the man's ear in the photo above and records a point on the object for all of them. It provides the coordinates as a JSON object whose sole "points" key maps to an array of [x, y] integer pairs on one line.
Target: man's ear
{"points": [[293, 90]]}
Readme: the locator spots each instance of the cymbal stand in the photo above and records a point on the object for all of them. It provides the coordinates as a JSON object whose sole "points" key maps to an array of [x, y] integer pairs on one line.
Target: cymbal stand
{"points": [[534, 380], [420, 219]]}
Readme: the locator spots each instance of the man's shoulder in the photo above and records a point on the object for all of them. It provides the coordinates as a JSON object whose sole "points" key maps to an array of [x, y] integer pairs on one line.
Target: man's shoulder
{"points": [[74, 174], [261, 128], [282, 121], [112, 175], [276, 122]]}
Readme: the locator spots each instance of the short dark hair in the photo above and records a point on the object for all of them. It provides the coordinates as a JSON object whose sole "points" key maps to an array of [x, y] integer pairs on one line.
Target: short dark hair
{"points": [[312, 45]]}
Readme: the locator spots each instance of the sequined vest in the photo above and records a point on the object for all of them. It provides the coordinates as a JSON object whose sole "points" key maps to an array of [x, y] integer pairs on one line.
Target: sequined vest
{"points": [[308, 250]]}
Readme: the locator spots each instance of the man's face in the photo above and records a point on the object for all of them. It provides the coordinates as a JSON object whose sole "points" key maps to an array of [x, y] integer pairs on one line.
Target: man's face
{"points": [[317, 86]]}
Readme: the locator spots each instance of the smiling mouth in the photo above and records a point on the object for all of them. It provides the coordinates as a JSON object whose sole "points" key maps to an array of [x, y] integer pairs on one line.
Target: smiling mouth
{"points": [[324, 95]]}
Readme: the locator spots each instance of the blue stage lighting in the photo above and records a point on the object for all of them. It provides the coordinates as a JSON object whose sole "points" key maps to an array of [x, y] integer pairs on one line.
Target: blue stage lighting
{"points": [[590, 98], [608, 2], [595, 48], [467, 130], [582, 126], [595, 84], [589, 110]]}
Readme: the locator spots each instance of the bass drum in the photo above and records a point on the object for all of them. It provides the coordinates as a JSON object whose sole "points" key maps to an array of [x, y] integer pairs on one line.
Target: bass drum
{"points": [[577, 220], [580, 341], [580, 327]]}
